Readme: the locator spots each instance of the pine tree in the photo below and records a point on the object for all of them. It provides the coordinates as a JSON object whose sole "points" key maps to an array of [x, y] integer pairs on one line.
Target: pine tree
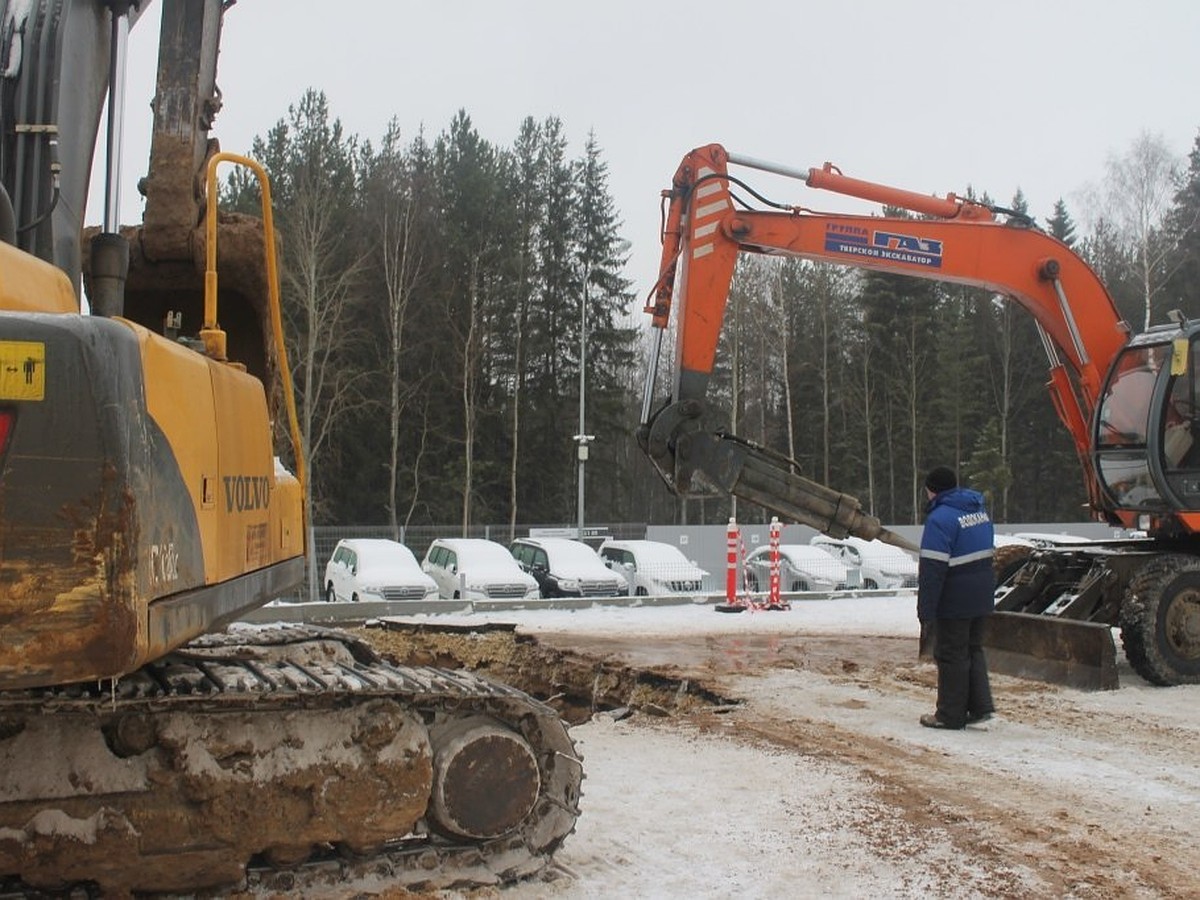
{"points": [[1061, 225], [607, 297], [1182, 224]]}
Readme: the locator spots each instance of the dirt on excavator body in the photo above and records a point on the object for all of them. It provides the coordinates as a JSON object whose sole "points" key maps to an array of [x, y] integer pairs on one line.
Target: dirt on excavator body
{"points": [[270, 756]]}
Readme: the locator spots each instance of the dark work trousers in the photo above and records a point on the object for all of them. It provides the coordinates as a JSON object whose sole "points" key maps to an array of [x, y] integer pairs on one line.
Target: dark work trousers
{"points": [[963, 686]]}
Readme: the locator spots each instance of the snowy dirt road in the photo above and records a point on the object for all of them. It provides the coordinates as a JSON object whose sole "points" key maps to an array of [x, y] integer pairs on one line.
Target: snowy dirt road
{"points": [[815, 779]]}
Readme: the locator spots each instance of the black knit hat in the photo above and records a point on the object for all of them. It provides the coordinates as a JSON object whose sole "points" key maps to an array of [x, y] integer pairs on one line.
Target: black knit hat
{"points": [[941, 479]]}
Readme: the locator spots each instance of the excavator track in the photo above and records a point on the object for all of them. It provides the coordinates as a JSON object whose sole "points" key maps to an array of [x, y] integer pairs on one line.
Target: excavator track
{"points": [[280, 758]]}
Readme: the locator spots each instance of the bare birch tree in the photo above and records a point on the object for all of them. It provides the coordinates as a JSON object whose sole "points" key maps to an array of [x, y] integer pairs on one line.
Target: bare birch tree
{"points": [[401, 266], [321, 287], [1137, 193], [469, 393]]}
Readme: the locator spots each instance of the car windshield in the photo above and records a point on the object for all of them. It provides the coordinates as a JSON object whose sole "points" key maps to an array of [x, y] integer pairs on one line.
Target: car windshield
{"points": [[386, 554], [487, 551], [884, 552], [660, 555], [798, 552], [573, 552]]}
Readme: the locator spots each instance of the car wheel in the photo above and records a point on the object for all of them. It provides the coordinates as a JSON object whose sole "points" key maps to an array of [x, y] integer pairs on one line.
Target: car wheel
{"points": [[330, 596], [751, 582], [354, 598], [642, 592], [870, 585], [456, 596]]}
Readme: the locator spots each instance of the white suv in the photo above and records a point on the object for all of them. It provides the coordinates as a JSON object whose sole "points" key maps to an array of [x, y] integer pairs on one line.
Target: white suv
{"points": [[372, 569], [883, 566], [653, 568], [802, 567], [476, 569], [567, 568]]}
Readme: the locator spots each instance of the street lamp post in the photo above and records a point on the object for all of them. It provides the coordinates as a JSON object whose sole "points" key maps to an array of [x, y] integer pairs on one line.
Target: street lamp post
{"points": [[582, 438]]}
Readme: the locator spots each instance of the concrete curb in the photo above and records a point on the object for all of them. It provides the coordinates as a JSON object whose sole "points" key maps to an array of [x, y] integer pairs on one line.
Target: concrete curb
{"points": [[323, 613]]}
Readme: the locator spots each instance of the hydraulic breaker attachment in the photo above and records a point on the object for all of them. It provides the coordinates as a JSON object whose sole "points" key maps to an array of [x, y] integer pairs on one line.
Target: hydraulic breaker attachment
{"points": [[698, 463]]}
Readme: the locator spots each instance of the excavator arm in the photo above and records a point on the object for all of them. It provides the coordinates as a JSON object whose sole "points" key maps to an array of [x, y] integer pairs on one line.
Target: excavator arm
{"points": [[54, 74], [954, 240]]}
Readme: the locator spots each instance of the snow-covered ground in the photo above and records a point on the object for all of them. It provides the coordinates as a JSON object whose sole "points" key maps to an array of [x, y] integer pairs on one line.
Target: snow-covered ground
{"points": [[822, 783]]}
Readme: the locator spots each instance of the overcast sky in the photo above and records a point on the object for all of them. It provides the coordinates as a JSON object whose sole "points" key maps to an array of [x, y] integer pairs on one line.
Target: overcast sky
{"points": [[932, 96]]}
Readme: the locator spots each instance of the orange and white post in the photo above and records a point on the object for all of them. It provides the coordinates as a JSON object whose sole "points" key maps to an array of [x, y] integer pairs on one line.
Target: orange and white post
{"points": [[731, 562], [732, 540], [773, 593], [774, 601]]}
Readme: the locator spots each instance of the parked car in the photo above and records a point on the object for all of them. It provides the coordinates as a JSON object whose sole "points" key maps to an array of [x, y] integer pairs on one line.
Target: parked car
{"points": [[1045, 539], [802, 567], [476, 569], [566, 568], [374, 569], [1010, 540], [653, 568], [882, 565]]}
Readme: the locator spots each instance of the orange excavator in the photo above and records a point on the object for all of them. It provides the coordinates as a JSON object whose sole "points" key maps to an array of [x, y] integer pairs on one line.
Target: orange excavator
{"points": [[1128, 401]]}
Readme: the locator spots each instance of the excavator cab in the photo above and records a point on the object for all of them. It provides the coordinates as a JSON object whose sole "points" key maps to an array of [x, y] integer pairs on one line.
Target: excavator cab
{"points": [[1147, 431]]}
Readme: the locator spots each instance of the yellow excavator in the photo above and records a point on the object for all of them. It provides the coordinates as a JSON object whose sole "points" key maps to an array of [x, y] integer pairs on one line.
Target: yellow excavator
{"points": [[146, 745]]}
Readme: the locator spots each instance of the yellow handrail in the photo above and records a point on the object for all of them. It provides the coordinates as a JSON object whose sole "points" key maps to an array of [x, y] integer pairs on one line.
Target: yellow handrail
{"points": [[210, 332]]}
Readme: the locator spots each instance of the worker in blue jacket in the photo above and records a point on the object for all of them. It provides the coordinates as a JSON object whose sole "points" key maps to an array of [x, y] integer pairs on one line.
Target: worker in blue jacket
{"points": [[955, 596]]}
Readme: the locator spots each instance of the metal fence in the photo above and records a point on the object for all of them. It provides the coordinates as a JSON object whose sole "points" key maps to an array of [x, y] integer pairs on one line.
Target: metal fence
{"points": [[705, 545]]}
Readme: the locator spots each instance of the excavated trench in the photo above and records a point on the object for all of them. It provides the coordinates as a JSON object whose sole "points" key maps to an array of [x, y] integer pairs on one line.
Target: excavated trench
{"points": [[576, 684]]}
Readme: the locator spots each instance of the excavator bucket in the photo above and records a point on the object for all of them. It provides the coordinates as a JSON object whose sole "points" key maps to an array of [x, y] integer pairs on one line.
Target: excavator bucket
{"points": [[1053, 615]]}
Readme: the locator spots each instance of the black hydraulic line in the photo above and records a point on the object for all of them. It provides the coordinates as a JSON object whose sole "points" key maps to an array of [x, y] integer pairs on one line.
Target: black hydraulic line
{"points": [[733, 180], [55, 188], [8, 219]]}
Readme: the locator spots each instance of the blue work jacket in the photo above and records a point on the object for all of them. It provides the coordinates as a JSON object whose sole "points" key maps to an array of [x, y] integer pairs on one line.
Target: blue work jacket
{"points": [[954, 575]]}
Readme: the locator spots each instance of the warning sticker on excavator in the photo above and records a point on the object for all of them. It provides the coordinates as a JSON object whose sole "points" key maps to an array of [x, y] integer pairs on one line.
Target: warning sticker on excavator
{"points": [[22, 370]]}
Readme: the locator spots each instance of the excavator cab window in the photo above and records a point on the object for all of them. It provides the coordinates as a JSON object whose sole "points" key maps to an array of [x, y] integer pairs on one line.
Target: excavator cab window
{"points": [[1180, 440], [1125, 410], [1148, 430], [1124, 428], [1181, 449]]}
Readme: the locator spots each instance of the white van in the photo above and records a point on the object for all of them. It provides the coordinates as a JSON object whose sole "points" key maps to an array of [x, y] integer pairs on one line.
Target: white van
{"points": [[883, 566], [653, 568]]}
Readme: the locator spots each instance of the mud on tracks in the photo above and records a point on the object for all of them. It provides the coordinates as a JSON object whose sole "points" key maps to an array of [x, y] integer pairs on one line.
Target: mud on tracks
{"points": [[577, 683]]}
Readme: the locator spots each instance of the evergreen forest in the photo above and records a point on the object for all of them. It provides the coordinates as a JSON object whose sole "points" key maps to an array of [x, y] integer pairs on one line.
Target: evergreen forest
{"points": [[436, 289]]}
